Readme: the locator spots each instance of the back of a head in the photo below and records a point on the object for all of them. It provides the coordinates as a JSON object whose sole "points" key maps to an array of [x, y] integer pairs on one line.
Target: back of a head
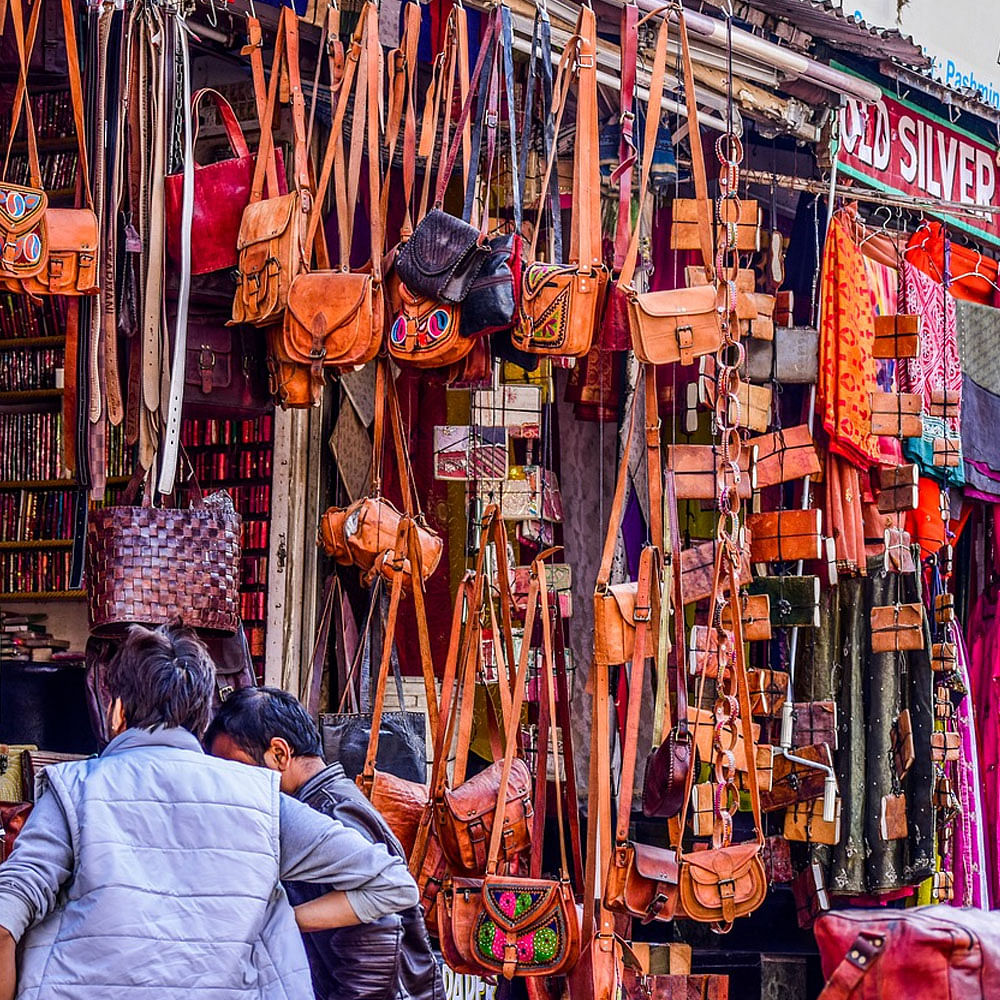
{"points": [[165, 678], [253, 717]]}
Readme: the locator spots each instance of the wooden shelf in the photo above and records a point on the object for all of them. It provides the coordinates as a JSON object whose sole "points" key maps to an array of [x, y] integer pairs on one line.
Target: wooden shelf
{"points": [[30, 395], [15, 342], [37, 543], [39, 484], [42, 595], [56, 145]]}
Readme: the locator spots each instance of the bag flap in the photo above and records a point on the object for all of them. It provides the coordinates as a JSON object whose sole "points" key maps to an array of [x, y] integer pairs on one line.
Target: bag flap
{"points": [[656, 863], [438, 242], [478, 796], [330, 296], [539, 277], [267, 219], [678, 302], [514, 904], [208, 355], [71, 229], [722, 863], [624, 595], [21, 208]]}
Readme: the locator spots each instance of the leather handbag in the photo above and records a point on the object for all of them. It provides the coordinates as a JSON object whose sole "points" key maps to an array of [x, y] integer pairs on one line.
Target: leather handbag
{"points": [[221, 193], [464, 813], [726, 880], [504, 924], [24, 242], [290, 383], [225, 369], [154, 565], [685, 323], [365, 533], [72, 233], [929, 951], [617, 610], [335, 318], [561, 303], [427, 333], [442, 257], [642, 881], [272, 245]]}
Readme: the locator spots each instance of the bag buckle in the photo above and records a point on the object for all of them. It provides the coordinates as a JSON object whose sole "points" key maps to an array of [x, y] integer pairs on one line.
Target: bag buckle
{"points": [[641, 613], [585, 61]]}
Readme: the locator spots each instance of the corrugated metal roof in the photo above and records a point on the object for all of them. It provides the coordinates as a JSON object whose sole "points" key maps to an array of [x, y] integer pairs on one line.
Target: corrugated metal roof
{"points": [[827, 20]]}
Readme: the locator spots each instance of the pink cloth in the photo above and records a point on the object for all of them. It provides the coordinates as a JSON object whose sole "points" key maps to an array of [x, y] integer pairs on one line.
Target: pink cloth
{"points": [[968, 860]]}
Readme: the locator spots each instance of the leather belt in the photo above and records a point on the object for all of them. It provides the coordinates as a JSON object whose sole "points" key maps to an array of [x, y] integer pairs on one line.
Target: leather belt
{"points": [[172, 433]]}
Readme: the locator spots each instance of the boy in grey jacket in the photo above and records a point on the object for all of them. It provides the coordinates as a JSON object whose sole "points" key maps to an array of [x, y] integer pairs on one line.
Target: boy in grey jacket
{"points": [[156, 870]]}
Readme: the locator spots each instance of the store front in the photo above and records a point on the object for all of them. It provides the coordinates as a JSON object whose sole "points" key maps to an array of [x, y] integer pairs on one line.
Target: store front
{"points": [[615, 490]]}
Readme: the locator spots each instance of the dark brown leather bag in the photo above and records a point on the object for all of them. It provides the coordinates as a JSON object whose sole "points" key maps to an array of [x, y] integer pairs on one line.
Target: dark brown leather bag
{"points": [[668, 765]]}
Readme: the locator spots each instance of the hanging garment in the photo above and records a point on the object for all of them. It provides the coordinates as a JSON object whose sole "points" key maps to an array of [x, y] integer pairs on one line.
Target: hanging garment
{"points": [[842, 513], [980, 441], [967, 861], [937, 367], [926, 250], [978, 335], [871, 689], [847, 366], [984, 687]]}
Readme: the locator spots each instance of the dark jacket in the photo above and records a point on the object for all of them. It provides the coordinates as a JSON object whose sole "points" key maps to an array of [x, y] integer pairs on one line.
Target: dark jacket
{"points": [[390, 959]]}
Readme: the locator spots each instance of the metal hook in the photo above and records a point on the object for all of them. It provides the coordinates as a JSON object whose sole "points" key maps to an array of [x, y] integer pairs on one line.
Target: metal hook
{"points": [[213, 14]]}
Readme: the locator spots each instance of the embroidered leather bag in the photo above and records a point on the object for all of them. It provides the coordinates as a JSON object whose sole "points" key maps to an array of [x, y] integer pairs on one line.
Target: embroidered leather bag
{"points": [[502, 924], [561, 303], [336, 318], [684, 323], [24, 242], [272, 246]]}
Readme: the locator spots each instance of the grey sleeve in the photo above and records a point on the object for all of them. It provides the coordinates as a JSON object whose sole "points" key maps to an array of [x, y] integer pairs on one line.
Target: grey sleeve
{"points": [[316, 848], [41, 863]]}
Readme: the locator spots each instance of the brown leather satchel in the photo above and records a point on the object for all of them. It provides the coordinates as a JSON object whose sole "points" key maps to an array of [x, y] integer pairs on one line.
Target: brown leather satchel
{"points": [[335, 318], [272, 247], [726, 880], [684, 323], [465, 813], [503, 924], [616, 611], [561, 303], [290, 383], [364, 534]]}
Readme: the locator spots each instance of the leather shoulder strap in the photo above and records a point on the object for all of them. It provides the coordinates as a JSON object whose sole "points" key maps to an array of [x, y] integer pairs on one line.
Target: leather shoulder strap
{"points": [[697, 154], [76, 98], [622, 174]]}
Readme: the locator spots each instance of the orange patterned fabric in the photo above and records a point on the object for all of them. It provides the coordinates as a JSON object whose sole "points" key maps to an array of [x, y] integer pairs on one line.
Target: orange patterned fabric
{"points": [[847, 367]]}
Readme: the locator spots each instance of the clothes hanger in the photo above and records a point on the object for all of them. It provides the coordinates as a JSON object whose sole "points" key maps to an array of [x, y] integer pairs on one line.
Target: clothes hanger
{"points": [[976, 273]]}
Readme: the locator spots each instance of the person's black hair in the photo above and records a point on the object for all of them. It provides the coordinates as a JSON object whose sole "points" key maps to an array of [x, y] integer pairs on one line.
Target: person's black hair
{"points": [[252, 717], [164, 677]]}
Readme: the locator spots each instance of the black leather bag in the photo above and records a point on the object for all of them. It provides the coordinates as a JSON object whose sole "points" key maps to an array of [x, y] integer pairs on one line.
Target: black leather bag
{"points": [[230, 654], [402, 743], [491, 305], [442, 258]]}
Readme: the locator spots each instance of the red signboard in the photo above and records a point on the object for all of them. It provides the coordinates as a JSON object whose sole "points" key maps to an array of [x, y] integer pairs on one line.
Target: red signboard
{"points": [[897, 147]]}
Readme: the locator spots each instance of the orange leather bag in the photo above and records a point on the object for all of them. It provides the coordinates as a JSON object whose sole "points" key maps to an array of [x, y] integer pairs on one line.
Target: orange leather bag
{"points": [[335, 318], [684, 323], [561, 303], [617, 609], [365, 533], [272, 247]]}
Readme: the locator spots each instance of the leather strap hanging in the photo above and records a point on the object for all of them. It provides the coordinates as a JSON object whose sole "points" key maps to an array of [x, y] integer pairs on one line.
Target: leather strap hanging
{"points": [[622, 174]]}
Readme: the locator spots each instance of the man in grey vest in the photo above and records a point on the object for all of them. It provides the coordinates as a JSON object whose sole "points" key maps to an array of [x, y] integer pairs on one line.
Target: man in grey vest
{"points": [[389, 959], [156, 871]]}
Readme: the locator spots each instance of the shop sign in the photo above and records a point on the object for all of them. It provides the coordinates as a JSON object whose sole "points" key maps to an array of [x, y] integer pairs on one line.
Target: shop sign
{"points": [[458, 986], [899, 148]]}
